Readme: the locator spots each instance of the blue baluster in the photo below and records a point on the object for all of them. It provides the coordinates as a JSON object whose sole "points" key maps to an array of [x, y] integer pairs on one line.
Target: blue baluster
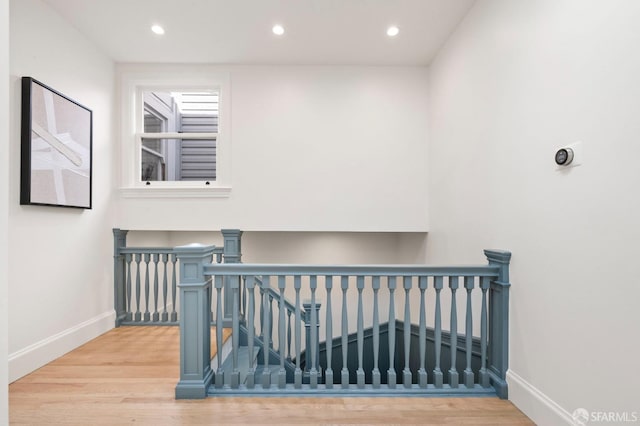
{"points": [[282, 374], [250, 286], [360, 371], [243, 293], [138, 315], [174, 314], [437, 372], [375, 374], [288, 334], [313, 371], [328, 282], [156, 313], [129, 314], [406, 373], [270, 328], [422, 372], [235, 332], [344, 373], [391, 374], [297, 375], [468, 373], [147, 314], [453, 372], [484, 373], [219, 378], [262, 321], [266, 374], [165, 287]]}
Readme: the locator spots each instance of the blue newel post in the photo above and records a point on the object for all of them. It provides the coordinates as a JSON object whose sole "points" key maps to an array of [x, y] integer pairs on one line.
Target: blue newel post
{"points": [[498, 357], [119, 270], [195, 321], [232, 254]]}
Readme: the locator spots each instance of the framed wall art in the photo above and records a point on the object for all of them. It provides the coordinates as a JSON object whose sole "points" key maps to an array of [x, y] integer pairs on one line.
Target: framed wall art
{"points": [[56, 161]]}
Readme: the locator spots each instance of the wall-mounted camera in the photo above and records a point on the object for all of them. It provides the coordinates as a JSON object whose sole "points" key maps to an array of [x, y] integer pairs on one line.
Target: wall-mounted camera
{"points": [[564, 156]]}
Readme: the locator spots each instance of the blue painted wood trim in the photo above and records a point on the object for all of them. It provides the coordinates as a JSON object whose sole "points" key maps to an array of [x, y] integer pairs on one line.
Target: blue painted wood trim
{"points": [[119, 275], [354, 390], [158, 250], [232, 245], [232, 254], [195, 322], [351, 270], [498, 356]]}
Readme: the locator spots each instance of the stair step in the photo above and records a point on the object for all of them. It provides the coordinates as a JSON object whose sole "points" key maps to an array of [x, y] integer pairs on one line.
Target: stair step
{"points": [[272, 368], [244, 358], [223, 352]]}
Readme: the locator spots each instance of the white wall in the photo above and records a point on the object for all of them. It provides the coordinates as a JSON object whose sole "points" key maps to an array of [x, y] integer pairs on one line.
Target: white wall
{"points": [[4, 202], [516, 81], [331, 248], [313, 149], [60, 275]]}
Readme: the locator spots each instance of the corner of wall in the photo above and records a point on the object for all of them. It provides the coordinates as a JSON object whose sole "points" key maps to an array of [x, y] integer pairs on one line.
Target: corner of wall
{"points": [[534, 403], [4, 206], [34, 356]]}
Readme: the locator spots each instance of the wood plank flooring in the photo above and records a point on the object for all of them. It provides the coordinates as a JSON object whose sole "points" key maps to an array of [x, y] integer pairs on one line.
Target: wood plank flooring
{"points": [[128, 375]]}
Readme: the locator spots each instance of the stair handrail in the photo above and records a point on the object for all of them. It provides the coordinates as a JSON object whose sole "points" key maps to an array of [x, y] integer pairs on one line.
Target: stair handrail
{"points": [[272, 292], [290, 311]]}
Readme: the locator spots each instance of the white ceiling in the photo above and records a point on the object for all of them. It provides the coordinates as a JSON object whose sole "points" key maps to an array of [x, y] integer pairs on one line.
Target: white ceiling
{"points": [[239, 31]]}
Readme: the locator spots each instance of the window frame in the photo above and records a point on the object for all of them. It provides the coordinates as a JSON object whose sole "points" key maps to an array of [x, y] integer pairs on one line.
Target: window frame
{"points": [[133, 84]]}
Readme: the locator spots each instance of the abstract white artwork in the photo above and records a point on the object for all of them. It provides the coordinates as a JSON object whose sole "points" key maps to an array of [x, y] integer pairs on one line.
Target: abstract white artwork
{"points": [[56, 148]]}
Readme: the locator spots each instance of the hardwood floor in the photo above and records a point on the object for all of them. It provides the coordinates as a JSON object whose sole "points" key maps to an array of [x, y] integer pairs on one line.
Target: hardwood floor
{"points": [[128, 375]]}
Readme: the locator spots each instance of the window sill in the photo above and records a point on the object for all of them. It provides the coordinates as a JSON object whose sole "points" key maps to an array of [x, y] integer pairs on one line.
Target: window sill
{"points": [[176, 192]]}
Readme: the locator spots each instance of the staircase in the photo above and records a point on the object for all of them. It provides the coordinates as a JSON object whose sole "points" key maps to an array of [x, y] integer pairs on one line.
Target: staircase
{"points": [[419, 329], [273, 365], [424, 357]]}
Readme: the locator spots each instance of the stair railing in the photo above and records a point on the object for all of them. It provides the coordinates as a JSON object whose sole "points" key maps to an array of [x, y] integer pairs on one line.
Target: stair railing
{"points": [[145, 280], [434, 374], [284, 311]]}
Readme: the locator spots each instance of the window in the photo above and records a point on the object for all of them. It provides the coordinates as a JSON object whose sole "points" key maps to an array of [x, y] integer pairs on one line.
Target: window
{"points": [[174, 139], [178, 141]]}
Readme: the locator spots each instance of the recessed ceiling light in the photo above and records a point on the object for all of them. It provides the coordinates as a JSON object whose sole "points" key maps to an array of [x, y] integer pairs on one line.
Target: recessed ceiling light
{"points": [[393, 31], [278, 29], [157, 29]]}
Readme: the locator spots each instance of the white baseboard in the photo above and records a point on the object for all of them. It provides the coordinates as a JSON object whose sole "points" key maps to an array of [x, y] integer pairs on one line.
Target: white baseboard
{"points": [[535, 404], [34, 356]]}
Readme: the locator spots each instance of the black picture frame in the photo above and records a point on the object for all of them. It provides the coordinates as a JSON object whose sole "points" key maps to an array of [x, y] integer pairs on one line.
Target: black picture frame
{"points": [[56, 148]]}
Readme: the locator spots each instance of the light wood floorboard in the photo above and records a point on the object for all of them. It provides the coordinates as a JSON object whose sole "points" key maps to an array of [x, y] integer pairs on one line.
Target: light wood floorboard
{"points": [[128, 375]]}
